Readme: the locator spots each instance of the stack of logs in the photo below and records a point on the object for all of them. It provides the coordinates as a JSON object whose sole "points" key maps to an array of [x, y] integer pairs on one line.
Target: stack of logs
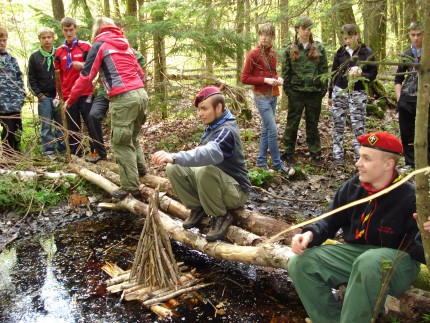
{"points": [[155, 277]]}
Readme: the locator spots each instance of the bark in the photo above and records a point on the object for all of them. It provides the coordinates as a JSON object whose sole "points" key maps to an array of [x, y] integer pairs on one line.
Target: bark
{"points": [[344, 15], [375, 26], [240, 25], [258, 224], [58, 9], [106, 8], [270, 255], [421, 130], [285, 37]]}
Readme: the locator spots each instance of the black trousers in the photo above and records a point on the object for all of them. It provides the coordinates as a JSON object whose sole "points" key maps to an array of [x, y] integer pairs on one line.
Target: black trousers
{"points": [[97, 114], [80, 108], [407, 115], [12, 126]]}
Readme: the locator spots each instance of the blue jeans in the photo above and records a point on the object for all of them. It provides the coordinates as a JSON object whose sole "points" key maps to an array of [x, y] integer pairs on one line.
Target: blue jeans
{"points": [[269, 132], [50, 117]]}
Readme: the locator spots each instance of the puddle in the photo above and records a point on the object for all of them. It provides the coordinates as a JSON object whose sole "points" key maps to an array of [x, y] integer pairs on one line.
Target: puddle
{"points": [[58, 278]]}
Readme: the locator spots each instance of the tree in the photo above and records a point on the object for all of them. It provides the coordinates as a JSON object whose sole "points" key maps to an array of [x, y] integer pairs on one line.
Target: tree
{"points": [[106, 8], [240, 24], [344, 15], [421, 129], [58, 9], [375, 26]]}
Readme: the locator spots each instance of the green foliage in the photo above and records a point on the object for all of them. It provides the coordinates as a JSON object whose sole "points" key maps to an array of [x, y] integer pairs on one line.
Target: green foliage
{"points": [[24, 196], [423, 278], [260, 176], [373, 110], [425, 318]]}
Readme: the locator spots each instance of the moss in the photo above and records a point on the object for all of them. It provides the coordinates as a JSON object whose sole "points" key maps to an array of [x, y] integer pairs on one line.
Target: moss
{"points": [[423, 279], [373, 110]]}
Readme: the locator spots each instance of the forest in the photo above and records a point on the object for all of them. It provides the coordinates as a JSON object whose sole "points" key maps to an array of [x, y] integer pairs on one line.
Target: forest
{"points": [[191, 44]]}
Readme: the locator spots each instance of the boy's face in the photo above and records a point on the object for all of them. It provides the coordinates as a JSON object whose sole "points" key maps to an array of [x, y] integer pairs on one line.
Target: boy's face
{"points": [[350, 40], [46, 40], [69, 33], [3, 43], [265, 40], [416, 37], [207, 112]]}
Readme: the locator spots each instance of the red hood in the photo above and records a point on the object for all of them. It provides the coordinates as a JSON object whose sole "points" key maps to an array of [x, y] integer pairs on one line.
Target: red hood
{"points": [[112, 35]]}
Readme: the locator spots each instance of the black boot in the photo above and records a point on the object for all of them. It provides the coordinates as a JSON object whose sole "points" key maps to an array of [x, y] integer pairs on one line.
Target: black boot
{"points": [[196, 216], [219, 226]]}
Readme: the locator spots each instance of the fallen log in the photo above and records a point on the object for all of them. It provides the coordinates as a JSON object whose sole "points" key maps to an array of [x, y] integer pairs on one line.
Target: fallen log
{"points": [[254, 222], [270, 255]]}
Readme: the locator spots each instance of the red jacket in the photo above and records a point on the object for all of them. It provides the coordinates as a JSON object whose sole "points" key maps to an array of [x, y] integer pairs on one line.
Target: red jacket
{"points": [[114, 59], [256, 69], [68, 77]]}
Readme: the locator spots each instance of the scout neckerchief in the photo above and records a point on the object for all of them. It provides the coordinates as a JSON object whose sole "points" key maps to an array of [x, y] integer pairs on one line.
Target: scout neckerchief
{"points": [[371, 207], [227, 116], [49, 56], [69, 52], [417, 53]]}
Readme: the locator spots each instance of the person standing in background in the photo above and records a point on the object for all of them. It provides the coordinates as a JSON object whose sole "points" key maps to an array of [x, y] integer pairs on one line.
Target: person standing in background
{"points": [[345, 96], [304, 63], [260, 71], [12, 95], [41, 81], [69, 59]]}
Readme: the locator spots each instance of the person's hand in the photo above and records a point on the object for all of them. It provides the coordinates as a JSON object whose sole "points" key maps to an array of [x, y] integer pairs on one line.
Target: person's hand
{"points": [[426, 224], [280, 80], [301, 241], [78, 65], [355, 71], [66, 106], [272, 81], [42, 98], [162, 157], [330, 102]]}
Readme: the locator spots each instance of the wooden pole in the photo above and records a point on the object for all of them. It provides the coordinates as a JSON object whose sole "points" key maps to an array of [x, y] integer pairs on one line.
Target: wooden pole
{"points": [[63, 115]]}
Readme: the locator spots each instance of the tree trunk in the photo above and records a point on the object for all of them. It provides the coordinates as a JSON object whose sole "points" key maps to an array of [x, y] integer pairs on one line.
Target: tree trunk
{"points": [[421, 130], [209, 26], [344, 15], [160, 69], [269, 255], [58, 9], [117, 9], [410, 13], [285, 39], [248, 22], [240, 23], [375, 26], [106, 8]]}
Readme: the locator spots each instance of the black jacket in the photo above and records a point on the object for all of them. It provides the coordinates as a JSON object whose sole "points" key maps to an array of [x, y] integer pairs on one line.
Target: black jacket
{"points": [[343, 61], [410, 87], [40, 80], [390, 225]]}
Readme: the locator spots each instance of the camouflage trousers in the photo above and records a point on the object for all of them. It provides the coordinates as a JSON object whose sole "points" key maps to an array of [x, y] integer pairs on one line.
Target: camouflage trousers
{"points": [[356, 101]]}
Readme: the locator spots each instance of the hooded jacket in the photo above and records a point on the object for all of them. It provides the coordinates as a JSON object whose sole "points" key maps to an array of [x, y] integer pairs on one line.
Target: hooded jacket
{"points": [[409, 91], [258, 67], [115, 60], [12, 93], [389, 224], [343, 61]]}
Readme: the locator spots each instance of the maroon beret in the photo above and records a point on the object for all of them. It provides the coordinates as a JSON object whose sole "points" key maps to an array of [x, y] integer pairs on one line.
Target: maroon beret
{"points": [[383, 141], [205, 93]]}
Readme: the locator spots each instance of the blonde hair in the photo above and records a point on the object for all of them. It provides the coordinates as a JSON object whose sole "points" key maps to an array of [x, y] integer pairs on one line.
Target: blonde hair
{"points": [[99, 23], [45, 30], [267, 29]]}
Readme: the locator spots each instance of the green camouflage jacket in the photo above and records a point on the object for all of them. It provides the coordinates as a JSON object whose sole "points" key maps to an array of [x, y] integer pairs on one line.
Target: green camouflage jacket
{"points": [[303, 75]]}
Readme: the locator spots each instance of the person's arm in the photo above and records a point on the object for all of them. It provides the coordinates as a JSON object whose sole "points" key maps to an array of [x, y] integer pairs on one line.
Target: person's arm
{"points": [[32, 78], [370, 71], [399, 78], [286, 71], [323, 70], [248, 68], [300, 242]]}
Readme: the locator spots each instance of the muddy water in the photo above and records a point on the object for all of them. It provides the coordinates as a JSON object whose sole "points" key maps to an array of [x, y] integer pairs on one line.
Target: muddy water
{"points": [[57, 277]]}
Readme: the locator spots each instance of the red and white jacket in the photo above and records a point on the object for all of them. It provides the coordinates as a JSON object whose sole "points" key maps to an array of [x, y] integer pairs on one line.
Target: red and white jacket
{"points": [[114, 59]]}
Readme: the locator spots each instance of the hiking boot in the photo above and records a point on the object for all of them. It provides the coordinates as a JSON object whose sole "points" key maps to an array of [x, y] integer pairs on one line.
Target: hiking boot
{"points": [[94, 158], [50, 156], [316, 160], [120, 193], [219, 226], [286, 170], [142, 172], [196, 216]]}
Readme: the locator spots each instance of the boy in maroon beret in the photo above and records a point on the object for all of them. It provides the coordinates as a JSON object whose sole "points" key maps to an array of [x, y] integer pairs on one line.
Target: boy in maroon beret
{"points": [[382, 241], [210, 179]]}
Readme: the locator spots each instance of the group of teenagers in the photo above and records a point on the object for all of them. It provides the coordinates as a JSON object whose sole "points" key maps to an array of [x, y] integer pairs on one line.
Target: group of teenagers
{"points": [[212, 180]]}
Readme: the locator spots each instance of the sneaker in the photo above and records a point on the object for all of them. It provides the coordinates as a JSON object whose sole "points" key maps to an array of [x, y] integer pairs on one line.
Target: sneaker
{"points": [[142, 172], [339, 162], [287, 171], [95, 157], [120, 193], [50, 156], [316, 160], [219, 226], [196, 216]]}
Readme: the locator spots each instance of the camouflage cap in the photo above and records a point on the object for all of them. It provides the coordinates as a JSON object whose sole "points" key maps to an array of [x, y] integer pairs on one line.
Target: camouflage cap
{"points": [[304, 22]]}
